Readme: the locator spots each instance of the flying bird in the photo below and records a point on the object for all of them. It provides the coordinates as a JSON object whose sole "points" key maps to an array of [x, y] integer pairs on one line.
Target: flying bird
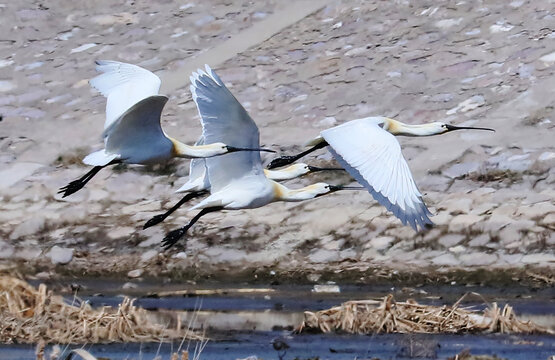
{"points": [[237, 181], [132, 132], [369, 151], [198, 183]]}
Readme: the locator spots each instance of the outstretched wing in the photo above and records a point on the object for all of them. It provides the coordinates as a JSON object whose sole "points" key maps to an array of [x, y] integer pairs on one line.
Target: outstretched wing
{"points": [[225, 120], [198, 176], [373, 157], [137, 134], [123, 85]]}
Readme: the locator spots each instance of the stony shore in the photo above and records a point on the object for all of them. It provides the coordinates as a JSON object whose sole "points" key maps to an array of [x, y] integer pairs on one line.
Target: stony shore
{"points": [[485, 64]]}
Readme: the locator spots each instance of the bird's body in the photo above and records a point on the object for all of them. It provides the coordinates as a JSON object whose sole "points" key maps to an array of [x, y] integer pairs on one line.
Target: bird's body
{"points": [[132, 131], [369, 151], [237, 181]]}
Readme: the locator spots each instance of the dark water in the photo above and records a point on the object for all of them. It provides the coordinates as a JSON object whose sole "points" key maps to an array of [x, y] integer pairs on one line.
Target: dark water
{"points": [[391, 346]]}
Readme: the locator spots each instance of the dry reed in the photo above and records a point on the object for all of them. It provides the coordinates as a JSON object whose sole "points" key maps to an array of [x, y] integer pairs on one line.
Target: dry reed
{"points": [[389, 316], [28, 315]]}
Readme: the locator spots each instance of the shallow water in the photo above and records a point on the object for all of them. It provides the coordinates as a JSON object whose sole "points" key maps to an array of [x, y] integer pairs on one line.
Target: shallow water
{"points": [[244, 321], [390, 346]]}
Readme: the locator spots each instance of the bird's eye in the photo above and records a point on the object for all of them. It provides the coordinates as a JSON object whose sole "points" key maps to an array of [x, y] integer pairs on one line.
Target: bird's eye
{"points": [[444, 126]]}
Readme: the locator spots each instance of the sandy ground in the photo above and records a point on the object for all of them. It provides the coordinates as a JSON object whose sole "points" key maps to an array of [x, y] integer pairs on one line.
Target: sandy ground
{"points": [[298, 68]]}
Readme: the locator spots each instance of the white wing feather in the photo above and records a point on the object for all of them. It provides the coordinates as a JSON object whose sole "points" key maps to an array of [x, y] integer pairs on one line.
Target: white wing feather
{"points": [[373, 157], [123, 85], [225, 120]]}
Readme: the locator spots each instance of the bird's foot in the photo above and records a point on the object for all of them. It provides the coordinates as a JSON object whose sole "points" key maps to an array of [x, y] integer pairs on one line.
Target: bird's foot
{"points": [[154, 221], [71, 188], [172, 237], [281, 161]]}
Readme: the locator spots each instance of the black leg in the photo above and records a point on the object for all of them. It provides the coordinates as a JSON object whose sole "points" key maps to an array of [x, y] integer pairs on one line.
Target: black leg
{"points": [[286, 160], [173, 236], [78, 184], [161, 217]]}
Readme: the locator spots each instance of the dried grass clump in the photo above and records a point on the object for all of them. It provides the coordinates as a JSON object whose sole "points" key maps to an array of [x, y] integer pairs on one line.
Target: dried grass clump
{"points": [[389, 316], [28, 315]]}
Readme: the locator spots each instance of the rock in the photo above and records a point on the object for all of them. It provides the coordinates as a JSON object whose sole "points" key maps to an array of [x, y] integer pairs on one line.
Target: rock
{"points": [[537, 210], [445, 260], [28, 227], [548, 220], [450, 240], [478, 259], [496, 222], [546, 156], [82, 48], [480, 240], [16, 172], [500, 27], [60, 255], [467, 105], [121, 232], [149, 254], [133, 274], [538, 259], [457, 205], [457, 249], [326, 289], [129, 285], [381, 243], [6, 250], [143, 206], [357, 51], [459, 170], [548, 58], [463, 222], [6, 85], [447, 23], [323, 256], [180, 255], [28, 253]]}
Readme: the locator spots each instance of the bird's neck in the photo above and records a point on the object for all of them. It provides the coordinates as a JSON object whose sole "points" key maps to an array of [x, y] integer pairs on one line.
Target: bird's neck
{"points": [[401, 129], [288, 173], [197, 151], [283, 193]]}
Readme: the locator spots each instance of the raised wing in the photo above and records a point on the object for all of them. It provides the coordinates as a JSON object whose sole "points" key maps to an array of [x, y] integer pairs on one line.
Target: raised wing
{"points": [[198, 174], [123, 85], [225, 120], [137, 134], [373, 157]]}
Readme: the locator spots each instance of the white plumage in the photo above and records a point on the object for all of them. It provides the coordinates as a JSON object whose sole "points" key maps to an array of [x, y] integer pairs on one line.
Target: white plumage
{"points": [[373, 157], [123, 85]]}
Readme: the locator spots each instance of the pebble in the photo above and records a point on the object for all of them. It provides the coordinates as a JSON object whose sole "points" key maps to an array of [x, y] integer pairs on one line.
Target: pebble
{"points": [[330, 289], [60, 255], [468, 105], [82, 48], [445, 260], [6, 250], [323, 256], [133, 274], [450, 240], [149, 254], [29, 227], [458, 170]]}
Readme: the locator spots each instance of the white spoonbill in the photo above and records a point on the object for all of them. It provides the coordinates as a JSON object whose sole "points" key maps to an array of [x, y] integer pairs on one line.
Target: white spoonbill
{"points": [[369, 151], [237, 181], [198, 183], [132, 131]]}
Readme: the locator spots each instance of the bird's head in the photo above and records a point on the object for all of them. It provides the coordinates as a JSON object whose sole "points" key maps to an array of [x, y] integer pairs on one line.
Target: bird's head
{"points": [[435, 128], [442, 128]]}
